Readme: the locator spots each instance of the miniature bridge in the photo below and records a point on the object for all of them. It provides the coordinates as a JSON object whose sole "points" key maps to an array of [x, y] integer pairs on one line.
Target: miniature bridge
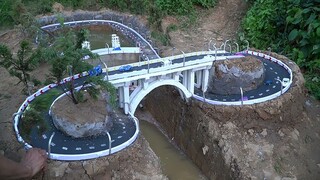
{"points": [[187, 72]]}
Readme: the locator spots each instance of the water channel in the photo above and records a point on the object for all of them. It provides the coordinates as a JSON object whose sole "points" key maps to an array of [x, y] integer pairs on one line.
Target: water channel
{"points": [[174, 163]]}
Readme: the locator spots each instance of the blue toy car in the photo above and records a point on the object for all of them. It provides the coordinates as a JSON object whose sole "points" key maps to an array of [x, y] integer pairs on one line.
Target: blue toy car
{"points": [[125, 68], [268, 82]]}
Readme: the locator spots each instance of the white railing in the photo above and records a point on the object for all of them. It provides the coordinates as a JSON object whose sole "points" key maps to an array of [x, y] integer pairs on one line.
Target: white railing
{"points": [[75, 23]]}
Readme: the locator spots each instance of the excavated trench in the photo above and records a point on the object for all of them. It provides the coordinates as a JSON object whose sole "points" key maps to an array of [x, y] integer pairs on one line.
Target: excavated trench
{"points": [[205, 132]]}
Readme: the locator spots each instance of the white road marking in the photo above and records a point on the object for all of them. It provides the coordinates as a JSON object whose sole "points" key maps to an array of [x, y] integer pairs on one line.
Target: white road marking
{"points": [[119, 137], [44, 136], [64, 148], [91, 147], [260, 94], [103, 145], [78, 148]]}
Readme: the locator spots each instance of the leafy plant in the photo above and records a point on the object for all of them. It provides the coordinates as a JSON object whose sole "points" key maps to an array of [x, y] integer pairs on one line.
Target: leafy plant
{"points": [[43, 102], [21, 66], [289, 27], [30, 119], [67, 58]]}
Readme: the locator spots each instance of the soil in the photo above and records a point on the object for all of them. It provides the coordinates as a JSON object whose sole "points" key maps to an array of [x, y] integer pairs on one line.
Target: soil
{"points": [[291, 149]]}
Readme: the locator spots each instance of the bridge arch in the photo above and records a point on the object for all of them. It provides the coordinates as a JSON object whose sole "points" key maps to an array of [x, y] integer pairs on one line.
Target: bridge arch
{"points": [[144, 92]]}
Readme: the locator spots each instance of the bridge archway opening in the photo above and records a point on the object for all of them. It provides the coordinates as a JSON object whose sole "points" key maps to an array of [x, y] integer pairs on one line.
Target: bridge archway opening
{"points": [[136, 100]]}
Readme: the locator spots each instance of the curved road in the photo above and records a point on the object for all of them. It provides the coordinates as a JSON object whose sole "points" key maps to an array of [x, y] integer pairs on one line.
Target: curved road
{"points": [[125, 129]]}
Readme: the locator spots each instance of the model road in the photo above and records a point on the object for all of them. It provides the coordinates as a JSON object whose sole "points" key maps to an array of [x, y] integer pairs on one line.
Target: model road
{"points": [[124, 128]]}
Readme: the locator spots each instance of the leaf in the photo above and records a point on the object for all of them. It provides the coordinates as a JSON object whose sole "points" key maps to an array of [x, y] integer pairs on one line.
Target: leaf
{"points": [[310, 20], [318, 31], [293, 35]]}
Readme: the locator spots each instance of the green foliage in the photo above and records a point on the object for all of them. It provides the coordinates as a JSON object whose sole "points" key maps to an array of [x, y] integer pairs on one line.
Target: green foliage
{"points": [[20, 66], [291, 27], [43, 102], [205, 3], [175, 7], [161, 37], [303, 23], [32, 118], [5, 10], [97, 85], [263, 22], [313, 84]]}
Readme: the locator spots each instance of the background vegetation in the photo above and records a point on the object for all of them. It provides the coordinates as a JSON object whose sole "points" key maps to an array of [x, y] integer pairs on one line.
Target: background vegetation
{"points": [[291, 28]]}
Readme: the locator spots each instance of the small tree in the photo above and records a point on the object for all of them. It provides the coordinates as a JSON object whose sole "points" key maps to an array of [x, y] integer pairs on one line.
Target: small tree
{"points": [[67, 58], [23, 64]]}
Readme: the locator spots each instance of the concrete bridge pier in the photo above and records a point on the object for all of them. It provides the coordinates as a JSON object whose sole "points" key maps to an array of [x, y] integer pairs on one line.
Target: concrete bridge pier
{"points": [[205, 80], [198, 79]]}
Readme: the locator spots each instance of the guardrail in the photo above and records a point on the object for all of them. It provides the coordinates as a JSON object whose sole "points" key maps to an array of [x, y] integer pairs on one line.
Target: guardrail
{"points": [[96, 22]]}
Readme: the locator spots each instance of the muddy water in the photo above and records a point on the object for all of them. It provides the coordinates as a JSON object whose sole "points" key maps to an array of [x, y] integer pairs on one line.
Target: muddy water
{"points": [[99, 38], [174, 163]]}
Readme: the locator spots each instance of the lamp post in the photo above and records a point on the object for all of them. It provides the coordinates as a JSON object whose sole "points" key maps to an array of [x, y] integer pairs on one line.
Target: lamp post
{"points": [[225, 43], [173, 51], [107, 45], [184, 58], [49, 144], [109, 137], [241, 92], [277, 79], [237, 45], [247, 44], [148, 64], [209, 45], [105, 65]]}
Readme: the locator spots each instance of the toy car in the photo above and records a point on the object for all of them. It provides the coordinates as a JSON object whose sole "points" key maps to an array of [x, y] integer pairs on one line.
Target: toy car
{"points": [[268, 82], [125, 68]]}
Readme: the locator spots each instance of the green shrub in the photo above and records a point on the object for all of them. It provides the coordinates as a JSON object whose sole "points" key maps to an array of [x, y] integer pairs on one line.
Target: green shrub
{"points": [[289, 27], [5, 13]]}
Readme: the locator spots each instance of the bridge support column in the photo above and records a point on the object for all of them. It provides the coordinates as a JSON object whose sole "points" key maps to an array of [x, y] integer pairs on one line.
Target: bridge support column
{"points": [[121, 98], [199, 77], [126, 99], [185, 78], [205, 80], [175, 76], [190, 79]]}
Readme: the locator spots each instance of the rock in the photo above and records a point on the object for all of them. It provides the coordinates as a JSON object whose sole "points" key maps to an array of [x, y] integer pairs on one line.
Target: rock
{"points": [[205, 149], [84, 119], [57, 168], [281, 134], [264, 132], [88, 166], [308, 103], [295, 134], [226, 77], [263, 114], [251, 131], [1, 152]]}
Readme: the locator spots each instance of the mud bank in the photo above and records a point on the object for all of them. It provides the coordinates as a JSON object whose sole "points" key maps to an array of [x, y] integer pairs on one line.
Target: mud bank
{"points": [[230, 142]]}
